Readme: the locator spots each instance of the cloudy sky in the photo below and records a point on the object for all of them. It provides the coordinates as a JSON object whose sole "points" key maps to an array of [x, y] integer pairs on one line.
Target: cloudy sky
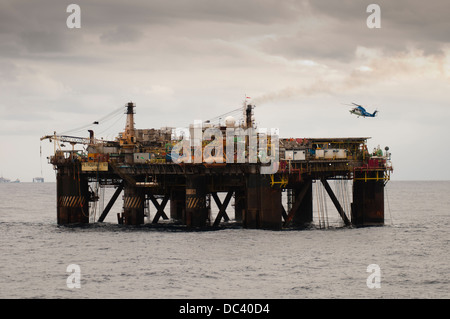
{"points": [[300, 61]]}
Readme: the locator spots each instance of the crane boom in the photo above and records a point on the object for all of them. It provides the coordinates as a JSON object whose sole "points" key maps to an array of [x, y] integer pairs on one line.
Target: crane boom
{"points": [[75, 139]]}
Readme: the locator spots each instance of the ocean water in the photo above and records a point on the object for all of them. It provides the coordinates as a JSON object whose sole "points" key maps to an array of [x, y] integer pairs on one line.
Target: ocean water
{"points": [[116, 261]]}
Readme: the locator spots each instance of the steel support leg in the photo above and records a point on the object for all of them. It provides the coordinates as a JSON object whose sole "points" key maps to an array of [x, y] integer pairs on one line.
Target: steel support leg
{"points": [[72, 197], [222, 207], [133, 208], [196, 209], [335, 201], [159, 207], [368, 200], [111, 202]]}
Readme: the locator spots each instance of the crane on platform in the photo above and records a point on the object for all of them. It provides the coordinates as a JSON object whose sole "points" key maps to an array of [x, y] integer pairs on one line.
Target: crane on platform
{"points": [[73, 140], [76, 139]]}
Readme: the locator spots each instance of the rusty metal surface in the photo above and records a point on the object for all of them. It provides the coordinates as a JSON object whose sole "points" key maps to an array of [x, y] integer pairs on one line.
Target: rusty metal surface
{"points": [[196, 209], [368, 202], [72, 199]]}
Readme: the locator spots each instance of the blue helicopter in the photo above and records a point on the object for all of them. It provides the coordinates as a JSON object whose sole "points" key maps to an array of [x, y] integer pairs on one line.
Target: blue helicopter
{"points": [[361, 111]]}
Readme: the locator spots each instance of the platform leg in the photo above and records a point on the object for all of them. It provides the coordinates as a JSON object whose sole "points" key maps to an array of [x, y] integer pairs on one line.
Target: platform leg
{"points": [[72, 198], [133, 206], [368, 200], [263, 207], [196, 209], [177, 203]]}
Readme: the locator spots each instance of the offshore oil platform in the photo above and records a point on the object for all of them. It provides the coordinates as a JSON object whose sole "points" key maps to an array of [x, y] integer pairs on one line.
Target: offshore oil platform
{"points": [[187, 169]]}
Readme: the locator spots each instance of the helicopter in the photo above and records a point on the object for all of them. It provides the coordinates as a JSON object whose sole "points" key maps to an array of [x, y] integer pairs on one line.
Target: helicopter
{"points": [[361, 111]]}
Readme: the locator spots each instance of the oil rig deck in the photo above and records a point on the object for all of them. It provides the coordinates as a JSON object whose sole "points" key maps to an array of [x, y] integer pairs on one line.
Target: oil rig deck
{"points": [[158, 166]]}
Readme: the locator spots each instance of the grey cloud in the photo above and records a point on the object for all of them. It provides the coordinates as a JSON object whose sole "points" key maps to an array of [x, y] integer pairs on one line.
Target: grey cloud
{"points": [[342, 28], [43, 41], [8, 72], [174, 11], [38, 28], [403, 22], [121, 34], [33, 28]]}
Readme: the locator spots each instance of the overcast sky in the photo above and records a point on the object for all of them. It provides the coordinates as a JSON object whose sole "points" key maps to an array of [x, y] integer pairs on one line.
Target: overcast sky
{"points": [[180, 61]]}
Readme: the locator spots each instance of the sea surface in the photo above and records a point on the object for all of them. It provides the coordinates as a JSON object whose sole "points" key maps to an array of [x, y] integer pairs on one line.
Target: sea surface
{"points": [[116, 261]]}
